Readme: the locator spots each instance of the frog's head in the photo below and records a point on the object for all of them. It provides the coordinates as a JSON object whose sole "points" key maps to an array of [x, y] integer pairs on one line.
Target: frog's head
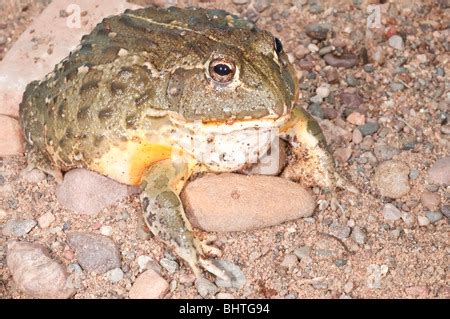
{"points": [[233, 72]]}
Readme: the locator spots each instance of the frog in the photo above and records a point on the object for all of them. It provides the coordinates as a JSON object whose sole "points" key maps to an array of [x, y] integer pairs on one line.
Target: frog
{"points": [[152, 97]]}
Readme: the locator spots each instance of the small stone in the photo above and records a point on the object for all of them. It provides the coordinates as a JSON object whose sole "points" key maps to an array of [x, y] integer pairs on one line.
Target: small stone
{"points": [[357, 136], [326, 50], [343, 154], [446, 210], [46, 220], [423, 221], [313, 48], [205, 288], [356, 118], [391, 213], [323, 91], [237, 277], [115, 275], [408, 219], [439, 172], [344, 61], [397, 86], [414, 174], [369, 68], [106, 230], [289, 261], [340, 262], [261, 5], [317, 31], [143, 262], [351, 80], [170, 265], [95, 253], [18, 227], [359, 235], [369, 128], [340, 231], [149, 285], [434, 216], [351, 100], [315, 109], [331, 74], [348, 287], [396, 42], [430, 200], [440, 72], [422, 58], [35, 272], [391, 179], [385, 152], [315, 7], [302, 252], [34, 176]]}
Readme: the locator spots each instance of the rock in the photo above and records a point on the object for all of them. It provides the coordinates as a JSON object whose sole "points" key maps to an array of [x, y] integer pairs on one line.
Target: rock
{"points": [[323, 91], [397, 86], [352, 80], [216, 202], [446, 210], [369, 128], [357, 136], [95, 253], [331, 74], [359, 235], [340, 231], [313, 48], [11, 140], [87, 192], [344, 61], [343, 154], [34, 176], [356, 118], [35, 272], [289, 261], [143, 262], [351, 100], [170, 265], [149, 285], [106, 230], [430, 200], [261, 5], [315, 109], [439, 172], [408, 219], [234, 272], [18, 227], [46, 220], [434, 216], [391, 213], [391, 179], [115, 275], [326, 50], [318, 31], [423, 221], [396, 42], [385, 152], [205, 288]]}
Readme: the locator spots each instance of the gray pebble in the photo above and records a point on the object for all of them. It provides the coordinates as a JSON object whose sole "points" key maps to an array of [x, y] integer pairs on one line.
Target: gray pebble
{"points": [[18, 227], [340, 262], [315, 109], [440, 72], [385, 152], [115, 275], [302, 252], [170, 265], [315, 7], [414, 174], [434, 216], [390, 212], [318, 31], [369, 128], [396, 42], [234, 272], [351, 80], [340, 231], [359, 235], [326, 50], [397, 86], [369, 68], [446, 210], [205, 288]]}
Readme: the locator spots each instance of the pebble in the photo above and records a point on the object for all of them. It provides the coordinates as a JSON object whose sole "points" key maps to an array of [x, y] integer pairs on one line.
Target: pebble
{"points": [[397, 86], [18, 227], [143, 262], [446, 210], [216, 202], [385, 152], [318, 31], [351, 80], [351, 100], [414, 174], [315, 109], [149, 285], [289, 261], [396, 42], [340, 231], [391, 179], [430, 200], [348, 287], [434, 216], [331, 74], [369, 128], [323, 91], [423, 221], [205, 288], [357, 136], [369, 68], [359, 235], [408, 219], [87, 192], [11, 137], [170, 265], [46, 220], [95, 253], [115, 275], [345, 61], [391, 213], [35, 272], [356, 118], [234, 272], [313, 48], [326, 50], [261, 5], [439, 172], [302, 252], [343, 154], [106, 230], [34, 176]]}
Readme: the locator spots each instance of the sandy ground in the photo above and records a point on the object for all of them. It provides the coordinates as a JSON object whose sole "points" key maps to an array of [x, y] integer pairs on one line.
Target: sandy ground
{"points": [[397, 260]]}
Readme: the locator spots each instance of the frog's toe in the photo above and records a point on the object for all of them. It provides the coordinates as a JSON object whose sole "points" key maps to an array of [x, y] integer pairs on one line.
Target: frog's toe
{"points": [[209, 250], [214, 268]]}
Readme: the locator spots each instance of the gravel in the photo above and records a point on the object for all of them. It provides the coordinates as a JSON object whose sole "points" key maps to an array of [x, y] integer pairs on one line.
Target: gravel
{"points": [[369, 128], [359, 235], [205, 288], [391, 213], [434, 216], [18, 227], [170, 265]]}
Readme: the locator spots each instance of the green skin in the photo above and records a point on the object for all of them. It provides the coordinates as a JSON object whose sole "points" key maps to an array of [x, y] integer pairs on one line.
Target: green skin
{"points": [[137, 72]]}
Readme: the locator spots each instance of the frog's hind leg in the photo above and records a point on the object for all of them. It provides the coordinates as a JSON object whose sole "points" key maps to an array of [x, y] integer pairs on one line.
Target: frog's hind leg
{"points": [[36, 159], [165, 217], [313, 163]]}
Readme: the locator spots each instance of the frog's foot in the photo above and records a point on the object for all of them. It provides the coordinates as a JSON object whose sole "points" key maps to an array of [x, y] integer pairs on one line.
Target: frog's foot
{"points": [[204, 245], [37, 160], [165, 217]]}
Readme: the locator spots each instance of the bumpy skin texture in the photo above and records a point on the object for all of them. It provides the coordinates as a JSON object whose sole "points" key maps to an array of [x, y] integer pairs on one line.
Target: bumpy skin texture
{"points": [[127, 99]]}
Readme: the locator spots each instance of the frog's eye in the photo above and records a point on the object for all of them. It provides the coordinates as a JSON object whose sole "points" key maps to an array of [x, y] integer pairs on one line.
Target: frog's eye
{"points": [[278, 45], [222, 70]]}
